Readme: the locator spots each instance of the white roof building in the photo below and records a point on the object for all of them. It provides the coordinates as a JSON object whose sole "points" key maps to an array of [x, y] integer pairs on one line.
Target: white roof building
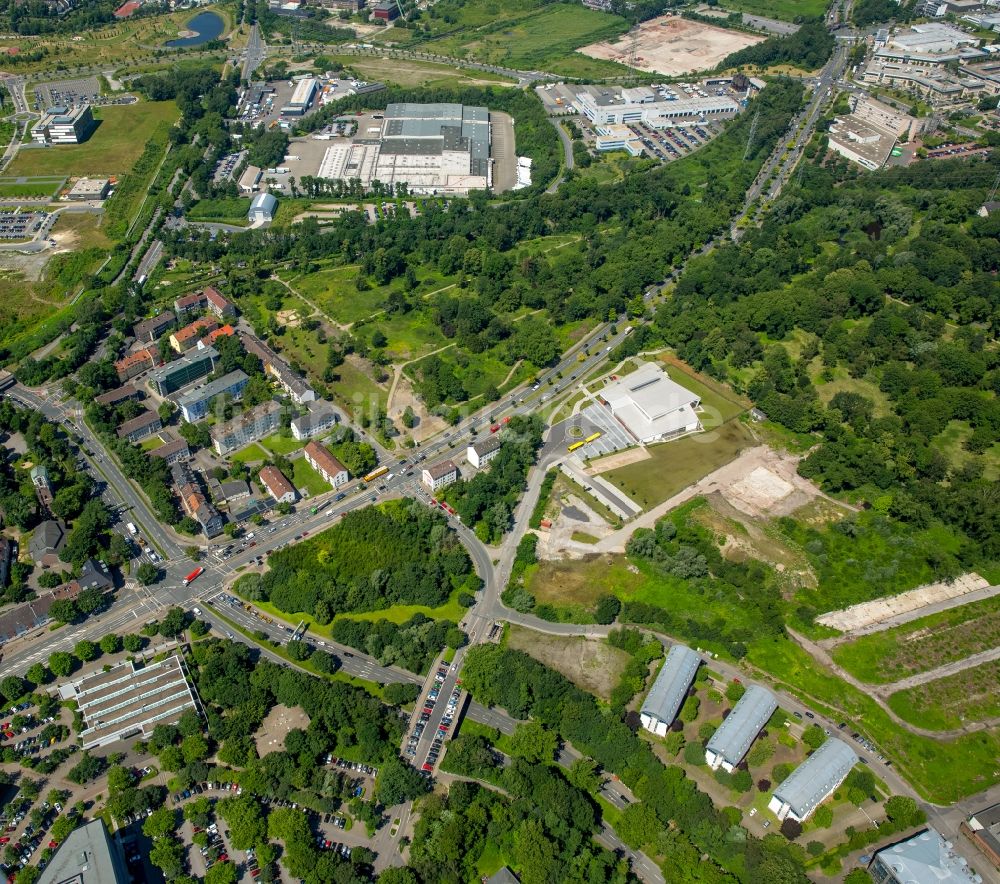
{"points": [[926, 858], [651, 406]]}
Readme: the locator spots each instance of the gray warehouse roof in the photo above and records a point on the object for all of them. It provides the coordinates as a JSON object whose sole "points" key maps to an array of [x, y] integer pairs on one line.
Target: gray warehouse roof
{"points": [[265, 201], [740, 729], [816, 777], [671, 685], [87, 856], [926, 858]]}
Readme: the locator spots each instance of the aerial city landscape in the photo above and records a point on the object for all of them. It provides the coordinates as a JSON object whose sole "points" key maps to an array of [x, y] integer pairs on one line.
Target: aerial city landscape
{"points": [[500, 441]]}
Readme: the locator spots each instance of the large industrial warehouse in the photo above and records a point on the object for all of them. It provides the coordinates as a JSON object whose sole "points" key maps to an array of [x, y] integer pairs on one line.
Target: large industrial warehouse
{"points": [[432, 148]]}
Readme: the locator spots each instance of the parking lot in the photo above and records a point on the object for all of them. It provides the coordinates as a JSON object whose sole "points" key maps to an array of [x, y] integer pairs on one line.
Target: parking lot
{"points": [[432, 726], [61, 93], [15, 224], [227, 165]]}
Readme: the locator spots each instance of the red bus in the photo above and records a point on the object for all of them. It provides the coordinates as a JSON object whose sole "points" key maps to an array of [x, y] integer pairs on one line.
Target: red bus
{"points": [[194, 575]]}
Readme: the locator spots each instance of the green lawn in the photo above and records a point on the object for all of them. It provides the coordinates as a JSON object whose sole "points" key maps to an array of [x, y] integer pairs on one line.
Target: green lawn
{"points": [[34, 187], [923, 644], [280, 444], [253, 452], [407, 72], [304, 476], [111, 150], [526, 35], [673, 466], [720, 403], [951, 443]]}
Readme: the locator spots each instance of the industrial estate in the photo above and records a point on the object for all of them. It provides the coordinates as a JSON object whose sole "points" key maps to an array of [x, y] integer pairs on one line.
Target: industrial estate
{"points": [[526, 442]]}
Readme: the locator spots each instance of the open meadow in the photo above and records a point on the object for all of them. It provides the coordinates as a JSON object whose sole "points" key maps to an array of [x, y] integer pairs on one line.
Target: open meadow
{"points": [[524, 35], [950, 702], [111, 150], [923, 644]]}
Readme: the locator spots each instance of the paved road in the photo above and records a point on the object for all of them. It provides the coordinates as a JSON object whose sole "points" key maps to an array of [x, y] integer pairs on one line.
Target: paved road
{"points": [[568, 160], [254, 53]]}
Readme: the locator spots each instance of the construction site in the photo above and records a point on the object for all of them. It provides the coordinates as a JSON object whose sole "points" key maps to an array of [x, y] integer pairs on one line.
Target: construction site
{"points": [[672, 46]]}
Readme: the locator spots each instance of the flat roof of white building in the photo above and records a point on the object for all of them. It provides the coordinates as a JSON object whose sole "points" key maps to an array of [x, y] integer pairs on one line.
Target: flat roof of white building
{"points": [[650, 404]]}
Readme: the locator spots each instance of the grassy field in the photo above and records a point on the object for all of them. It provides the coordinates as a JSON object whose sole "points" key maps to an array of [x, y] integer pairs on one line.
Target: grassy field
{"points": [[252, 453], [14, 188], [951, 443], [923, 644], [111, 150], [280, 444], [940, 770], [594, 666], [304, 476], [950, 702], [407, 72], [534, 37], [579, 584], [789, 10], [83, 228], [673, 466]]}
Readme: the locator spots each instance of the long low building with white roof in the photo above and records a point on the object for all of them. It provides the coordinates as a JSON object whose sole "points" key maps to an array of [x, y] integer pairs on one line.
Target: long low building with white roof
{"points": [[731, 742]]}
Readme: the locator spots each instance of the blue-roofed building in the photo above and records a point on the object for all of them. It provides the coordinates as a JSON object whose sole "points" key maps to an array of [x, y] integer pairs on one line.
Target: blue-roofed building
{"points": [[926, 858], [669, 690], [813, 780], [262, 208], [736, 734]]}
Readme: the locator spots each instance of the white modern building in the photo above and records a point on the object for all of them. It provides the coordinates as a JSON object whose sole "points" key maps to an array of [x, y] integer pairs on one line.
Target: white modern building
{"points": [[64, 125], [651, 406], [318, 419], [730, 743], [320, 459], [609, 106], [668, 692], [302, 96], [813, 781]]}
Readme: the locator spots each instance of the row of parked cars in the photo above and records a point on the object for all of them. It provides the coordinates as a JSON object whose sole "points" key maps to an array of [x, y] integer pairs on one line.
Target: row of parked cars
{"points": [[358, 766], [326, 844], [200, 788], [30, 840]]}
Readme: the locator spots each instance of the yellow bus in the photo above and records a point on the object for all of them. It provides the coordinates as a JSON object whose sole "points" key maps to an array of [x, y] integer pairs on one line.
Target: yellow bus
{"points": [[576, 445], [591, 438], [374, 474]]}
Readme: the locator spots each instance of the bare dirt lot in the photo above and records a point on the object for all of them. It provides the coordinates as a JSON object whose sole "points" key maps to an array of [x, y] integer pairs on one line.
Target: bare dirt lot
{"points": [[673, 46], [280, 720], [590, 664]]}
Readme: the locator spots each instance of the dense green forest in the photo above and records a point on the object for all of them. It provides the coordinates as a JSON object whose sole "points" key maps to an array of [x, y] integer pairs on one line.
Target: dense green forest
{"points": [[399, 552], [887, 282], [544, 824], [412, 645], [689, 825], [810, 47]]}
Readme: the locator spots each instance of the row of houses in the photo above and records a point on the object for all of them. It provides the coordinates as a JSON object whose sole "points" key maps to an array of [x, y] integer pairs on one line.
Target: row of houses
{"points": [[291, 382], [808, 785]]}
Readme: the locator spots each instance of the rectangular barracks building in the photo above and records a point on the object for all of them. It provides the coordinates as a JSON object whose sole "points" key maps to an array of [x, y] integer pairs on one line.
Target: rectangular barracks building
{"points": [[731, 742], [669, 690]]}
